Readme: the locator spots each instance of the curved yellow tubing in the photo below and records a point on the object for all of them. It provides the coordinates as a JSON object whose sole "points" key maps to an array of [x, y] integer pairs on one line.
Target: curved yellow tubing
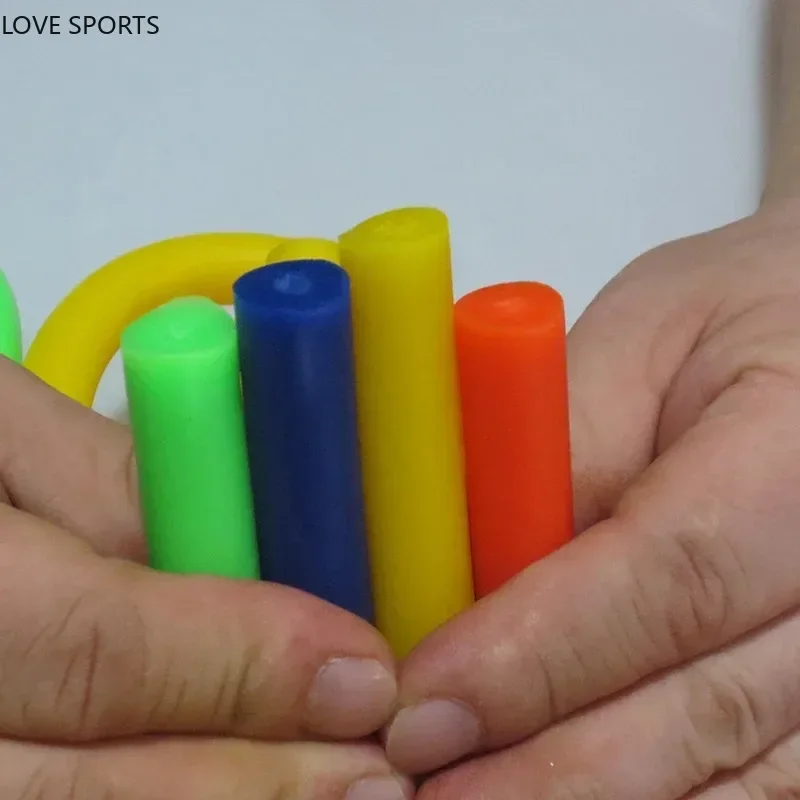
{"points": [[76, 343], [298, 249]]}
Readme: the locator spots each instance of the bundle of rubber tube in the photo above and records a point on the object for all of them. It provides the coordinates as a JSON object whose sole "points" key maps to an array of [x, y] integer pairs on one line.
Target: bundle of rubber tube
{"points": [[349, 430]]}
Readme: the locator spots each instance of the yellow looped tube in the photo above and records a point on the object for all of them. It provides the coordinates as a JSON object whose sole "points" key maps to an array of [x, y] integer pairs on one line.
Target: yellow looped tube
{"points": [[79, 339]]}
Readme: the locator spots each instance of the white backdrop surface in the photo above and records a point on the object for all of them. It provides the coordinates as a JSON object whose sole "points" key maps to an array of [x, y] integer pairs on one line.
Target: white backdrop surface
{"points": [[562, 137]]}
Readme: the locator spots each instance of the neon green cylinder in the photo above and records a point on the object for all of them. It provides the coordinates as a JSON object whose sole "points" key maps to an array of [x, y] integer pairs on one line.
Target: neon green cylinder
{"points": [[10, 325], [182, 379]]}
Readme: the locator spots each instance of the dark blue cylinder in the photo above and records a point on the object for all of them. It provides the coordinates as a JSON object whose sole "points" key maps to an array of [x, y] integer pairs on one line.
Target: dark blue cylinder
{"points": [[298, 383]]}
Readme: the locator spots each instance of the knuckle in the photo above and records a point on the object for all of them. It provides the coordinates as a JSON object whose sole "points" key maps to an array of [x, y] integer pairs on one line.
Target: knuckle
{"points": [[246, 679], [237, 683], [559, 677], [700, 598], [547, 679], [78, 687], [84, 664], [673, 600], [226, 693], [724, 723]]}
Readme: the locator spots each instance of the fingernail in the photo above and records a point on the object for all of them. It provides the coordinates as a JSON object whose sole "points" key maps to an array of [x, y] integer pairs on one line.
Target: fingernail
{"points": [[350, 698], [428, 736], [380, 788]]}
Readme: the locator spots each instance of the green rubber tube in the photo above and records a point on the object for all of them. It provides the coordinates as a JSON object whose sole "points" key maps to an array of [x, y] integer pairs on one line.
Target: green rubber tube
{"points": [[10, 325], [182, 379]]}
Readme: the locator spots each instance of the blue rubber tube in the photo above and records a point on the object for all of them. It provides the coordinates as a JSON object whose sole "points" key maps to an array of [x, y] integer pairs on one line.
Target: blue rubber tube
{"points": [[298, 383]]}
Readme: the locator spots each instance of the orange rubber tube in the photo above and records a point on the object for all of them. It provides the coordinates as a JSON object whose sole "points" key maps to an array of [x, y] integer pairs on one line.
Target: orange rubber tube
{"points": [[511, 351]]}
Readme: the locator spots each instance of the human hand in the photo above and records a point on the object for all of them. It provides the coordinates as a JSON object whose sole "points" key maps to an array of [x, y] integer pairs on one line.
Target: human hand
{"points": [[655, 656], [120, 682]]}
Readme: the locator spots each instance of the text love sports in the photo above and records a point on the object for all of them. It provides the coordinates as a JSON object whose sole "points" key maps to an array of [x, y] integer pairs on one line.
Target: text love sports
{"points": [[57, 24]]}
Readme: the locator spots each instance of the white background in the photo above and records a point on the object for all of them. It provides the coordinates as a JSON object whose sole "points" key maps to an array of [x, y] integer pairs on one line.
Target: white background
{"points": [[562, 137]]}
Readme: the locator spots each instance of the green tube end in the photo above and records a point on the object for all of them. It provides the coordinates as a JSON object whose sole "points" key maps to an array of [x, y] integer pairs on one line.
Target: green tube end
{"points": [[10, 324], [188, 327], [182, 379]]}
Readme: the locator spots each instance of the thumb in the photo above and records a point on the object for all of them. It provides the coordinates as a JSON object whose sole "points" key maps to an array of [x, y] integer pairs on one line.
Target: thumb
{"points": [[93, 648]]}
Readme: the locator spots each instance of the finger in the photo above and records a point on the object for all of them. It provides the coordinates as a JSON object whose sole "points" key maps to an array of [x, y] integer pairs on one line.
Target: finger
{"points": [[91, 647], [196, 769], [702, 550], [65, 463], [628, 348], [623, 354], [660, 741], [776, 774]]}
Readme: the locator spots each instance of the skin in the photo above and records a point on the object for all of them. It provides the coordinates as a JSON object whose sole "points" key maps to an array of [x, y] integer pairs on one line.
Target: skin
{"points": [[119, 682], [656, 655]]}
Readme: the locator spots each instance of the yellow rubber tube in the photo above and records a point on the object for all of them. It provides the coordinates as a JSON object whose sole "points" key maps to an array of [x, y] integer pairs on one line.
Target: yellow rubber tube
{"points": [[302, 249], [409, 421], [75, 345]]}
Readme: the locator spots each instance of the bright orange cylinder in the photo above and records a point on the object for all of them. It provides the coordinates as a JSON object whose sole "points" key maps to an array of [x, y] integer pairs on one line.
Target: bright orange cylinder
{"points": [[512, 364]]}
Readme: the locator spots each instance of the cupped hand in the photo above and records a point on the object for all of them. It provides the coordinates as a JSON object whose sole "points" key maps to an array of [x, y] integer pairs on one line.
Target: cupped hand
{"points": [[119, 682], [655, 656]]}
